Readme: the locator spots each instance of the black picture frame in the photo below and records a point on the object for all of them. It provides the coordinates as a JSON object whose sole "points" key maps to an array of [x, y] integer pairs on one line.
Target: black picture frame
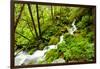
{"points": [[45, 3]]}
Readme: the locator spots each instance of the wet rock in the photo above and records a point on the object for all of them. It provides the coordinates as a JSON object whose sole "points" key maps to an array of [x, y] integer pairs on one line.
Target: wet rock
{"points": [[60, 60]]}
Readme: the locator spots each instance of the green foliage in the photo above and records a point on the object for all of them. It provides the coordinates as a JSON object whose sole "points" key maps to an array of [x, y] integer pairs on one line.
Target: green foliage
{"points": [[84, 22], [51, 55], [90, 37], [77, 48]]}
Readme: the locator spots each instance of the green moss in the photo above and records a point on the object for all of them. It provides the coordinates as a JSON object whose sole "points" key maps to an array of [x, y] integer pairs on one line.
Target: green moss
{"points": [[41, 46], [53, 40], [31, 51]]}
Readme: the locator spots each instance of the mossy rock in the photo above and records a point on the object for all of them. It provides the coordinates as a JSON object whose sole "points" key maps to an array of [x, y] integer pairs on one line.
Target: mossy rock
{"points": [[41, 46], [53, 40], [31, 51], [58, 33]]}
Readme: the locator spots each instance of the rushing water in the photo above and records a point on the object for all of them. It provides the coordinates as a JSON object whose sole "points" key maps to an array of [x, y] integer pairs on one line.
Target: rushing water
{"points": [[21, 57], [39, 55], [73, 29]]}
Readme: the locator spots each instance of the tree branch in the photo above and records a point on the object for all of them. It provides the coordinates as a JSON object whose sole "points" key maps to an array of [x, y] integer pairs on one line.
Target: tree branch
{"points": [[23, 36]]}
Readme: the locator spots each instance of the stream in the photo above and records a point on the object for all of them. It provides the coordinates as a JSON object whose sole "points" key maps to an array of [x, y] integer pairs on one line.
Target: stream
{"points": [[23, 58]]}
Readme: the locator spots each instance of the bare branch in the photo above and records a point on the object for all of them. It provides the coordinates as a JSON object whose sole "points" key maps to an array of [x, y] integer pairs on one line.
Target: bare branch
{"points": [[23, 36]]}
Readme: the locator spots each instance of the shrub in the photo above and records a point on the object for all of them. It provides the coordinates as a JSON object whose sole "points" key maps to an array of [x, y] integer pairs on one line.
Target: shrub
{"points": [[77, 48]]}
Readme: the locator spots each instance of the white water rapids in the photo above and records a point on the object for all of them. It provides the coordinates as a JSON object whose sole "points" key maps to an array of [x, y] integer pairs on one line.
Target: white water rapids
{"points": [[39, 55], [73, 29]]}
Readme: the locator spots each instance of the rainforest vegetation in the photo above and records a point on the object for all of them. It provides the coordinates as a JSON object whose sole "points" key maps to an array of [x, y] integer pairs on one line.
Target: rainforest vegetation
{"points": [[37, 26]]}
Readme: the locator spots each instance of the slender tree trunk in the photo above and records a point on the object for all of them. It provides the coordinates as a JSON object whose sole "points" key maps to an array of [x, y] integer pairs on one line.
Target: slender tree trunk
{"points": [[17, 20], [38, 18], [30, 11], [16, 23], [52, 14]]}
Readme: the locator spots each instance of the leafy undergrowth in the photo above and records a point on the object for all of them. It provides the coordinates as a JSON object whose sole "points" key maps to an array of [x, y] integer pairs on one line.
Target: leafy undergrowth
{"points": [[72, 49]]}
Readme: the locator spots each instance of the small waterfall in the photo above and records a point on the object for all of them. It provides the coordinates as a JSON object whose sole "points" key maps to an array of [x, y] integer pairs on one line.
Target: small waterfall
{"points": [[50, 47], [61, 39], [35, 57], [73, 29]]}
